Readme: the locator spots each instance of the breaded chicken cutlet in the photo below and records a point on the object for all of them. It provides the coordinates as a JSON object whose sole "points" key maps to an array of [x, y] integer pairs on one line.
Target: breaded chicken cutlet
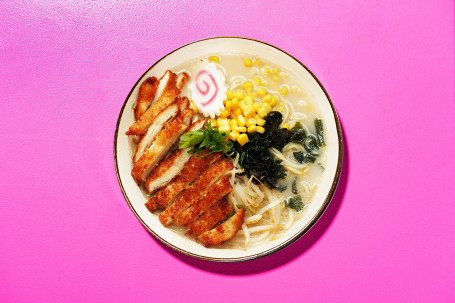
{"points": [[190, 189]]}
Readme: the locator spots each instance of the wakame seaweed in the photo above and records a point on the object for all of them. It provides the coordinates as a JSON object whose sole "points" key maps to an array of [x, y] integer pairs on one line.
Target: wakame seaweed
{"points": [[256, 158]]}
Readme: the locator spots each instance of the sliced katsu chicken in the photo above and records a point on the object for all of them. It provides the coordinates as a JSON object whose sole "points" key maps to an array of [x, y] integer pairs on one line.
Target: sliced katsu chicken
{"points": [[181, 79], [207, 220], [145, 96], [199, 187], [162, 144], [215, 193], [191, 170], [224, 231], [166, 115], [168, 96], [172, 165]]}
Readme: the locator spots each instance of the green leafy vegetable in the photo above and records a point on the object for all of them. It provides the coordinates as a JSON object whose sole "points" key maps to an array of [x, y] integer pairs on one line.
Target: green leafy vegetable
{"points": [[191, 138], [294, 202], [304, 158], [294, 186], [206, 138], [319, 131]]}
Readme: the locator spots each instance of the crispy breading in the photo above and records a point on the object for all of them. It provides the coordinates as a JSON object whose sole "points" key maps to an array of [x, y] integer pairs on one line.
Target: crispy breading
{"points": [[168, 97], [145, 96], [182, 78], [167, 114], [224, 231], [189, 173], [162, 144], [199, 187], [158, 123], [170, 166], [208, 219], [215, 193], [167, 80]]}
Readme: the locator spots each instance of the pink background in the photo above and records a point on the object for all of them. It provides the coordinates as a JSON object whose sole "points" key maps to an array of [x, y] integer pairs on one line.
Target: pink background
{"points": [[66, 232]]}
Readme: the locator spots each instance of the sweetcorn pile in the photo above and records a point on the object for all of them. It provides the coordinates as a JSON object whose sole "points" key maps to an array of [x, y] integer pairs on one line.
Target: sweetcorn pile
{"points": [[246, 108]]}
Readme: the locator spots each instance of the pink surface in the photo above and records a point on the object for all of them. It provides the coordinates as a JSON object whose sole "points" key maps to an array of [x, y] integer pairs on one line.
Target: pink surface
{"points": [[66, 232]]}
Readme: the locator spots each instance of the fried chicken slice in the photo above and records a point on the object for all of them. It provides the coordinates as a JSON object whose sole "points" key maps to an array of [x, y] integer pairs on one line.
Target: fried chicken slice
{"points": [[199, 187], [162, 144], [191, 170], [207, 220], [168, 80], [158, 123], [170, 166], [224, 231], [182, 78], [146, 93], [215, 193], [168, 96]]}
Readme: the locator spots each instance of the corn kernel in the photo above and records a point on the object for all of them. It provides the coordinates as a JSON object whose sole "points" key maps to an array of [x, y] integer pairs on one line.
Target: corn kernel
{"points": [[265, 71], [252, 128], [229, 94], [260, 122], [228, 106], [248, 100], [233, 123], [239, 94], [224, 128], [212, 123], [240, 129], [285, 125], [264, 83], [273, 100], [234, 104], [256, 106], [221, 121], [267, 107], [233, 135], [241, 120], [261, 91], [238, 112], [242, 105], [247, 85], [275, 78], [242, 139], [194, 107], [249, 93], [249, 111], [262, 112], [260, 129], [250, 121], [267, 98], [275, 70], [224, 114], [257, 80], [284, 91], [257, 62], [214, 59], [247, 61]]}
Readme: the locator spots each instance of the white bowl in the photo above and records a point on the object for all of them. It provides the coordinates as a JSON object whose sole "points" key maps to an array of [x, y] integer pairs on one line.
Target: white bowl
{"points": [[135, 197]]}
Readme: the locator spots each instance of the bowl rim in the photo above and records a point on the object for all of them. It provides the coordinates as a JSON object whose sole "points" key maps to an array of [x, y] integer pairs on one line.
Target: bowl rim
{"points": [[280, 246]]}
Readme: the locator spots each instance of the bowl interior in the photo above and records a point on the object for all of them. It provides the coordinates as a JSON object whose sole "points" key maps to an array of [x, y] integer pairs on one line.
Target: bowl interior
{"points": [[136, 198]]}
